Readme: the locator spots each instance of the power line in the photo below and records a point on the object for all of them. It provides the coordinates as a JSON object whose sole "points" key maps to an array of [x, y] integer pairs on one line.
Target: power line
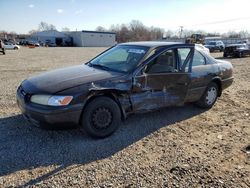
{"points": [[223, 21]]}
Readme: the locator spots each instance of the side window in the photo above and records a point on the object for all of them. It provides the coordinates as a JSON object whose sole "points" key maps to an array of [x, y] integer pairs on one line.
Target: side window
{"points": [[165, 62], [183, 54], [198, 59]]}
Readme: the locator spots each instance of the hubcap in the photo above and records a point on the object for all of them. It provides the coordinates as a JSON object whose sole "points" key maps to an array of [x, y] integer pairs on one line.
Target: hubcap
{"points": [[211, 95], [101, 118]]}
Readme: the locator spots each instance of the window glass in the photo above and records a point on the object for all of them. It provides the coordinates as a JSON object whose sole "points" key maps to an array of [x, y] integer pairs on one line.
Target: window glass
{"points": [[166, 62], [118, 55], [198, 59], [183, 54], [121, 58]]}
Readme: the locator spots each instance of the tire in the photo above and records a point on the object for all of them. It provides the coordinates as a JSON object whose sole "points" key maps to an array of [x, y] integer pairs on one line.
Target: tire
{"points": [[15, 48], [101, 117], [209, 97], [224, 55]]}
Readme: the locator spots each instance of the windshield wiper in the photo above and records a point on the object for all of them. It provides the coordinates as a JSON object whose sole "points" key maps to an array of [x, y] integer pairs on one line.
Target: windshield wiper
{"points": [[104, 67], [99, 66]]}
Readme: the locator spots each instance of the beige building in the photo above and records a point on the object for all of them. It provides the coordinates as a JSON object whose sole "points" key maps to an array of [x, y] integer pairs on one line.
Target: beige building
{"points": [[92, 38]]}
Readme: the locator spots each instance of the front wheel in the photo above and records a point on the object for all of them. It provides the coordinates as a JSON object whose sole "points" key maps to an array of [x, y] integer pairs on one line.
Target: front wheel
{"points": [[209, 97], [101, 117]]}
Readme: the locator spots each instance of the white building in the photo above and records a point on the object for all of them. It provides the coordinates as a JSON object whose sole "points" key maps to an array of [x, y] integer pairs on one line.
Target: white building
{"points": [[93, 38], [51, 37]]}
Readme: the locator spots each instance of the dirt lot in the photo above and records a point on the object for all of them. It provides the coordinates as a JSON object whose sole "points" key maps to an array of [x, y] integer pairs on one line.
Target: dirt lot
{"points": [[173, 147]]}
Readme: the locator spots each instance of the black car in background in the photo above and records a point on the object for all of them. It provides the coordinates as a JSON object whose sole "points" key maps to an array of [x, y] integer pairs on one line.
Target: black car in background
{"points": [[236, 50], [215, 46], [127, 78]]}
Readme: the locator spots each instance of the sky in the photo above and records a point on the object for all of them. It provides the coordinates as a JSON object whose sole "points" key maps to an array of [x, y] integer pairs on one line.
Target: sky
{"points": [[221, 16]]}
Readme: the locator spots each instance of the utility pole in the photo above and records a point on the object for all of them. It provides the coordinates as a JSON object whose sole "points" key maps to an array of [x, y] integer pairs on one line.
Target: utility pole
{"points": [[181, 31]]}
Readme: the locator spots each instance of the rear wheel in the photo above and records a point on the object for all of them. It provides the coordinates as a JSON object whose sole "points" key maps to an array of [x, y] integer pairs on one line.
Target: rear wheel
{"points": [[101, 117], [15, 48], [209, 97]]}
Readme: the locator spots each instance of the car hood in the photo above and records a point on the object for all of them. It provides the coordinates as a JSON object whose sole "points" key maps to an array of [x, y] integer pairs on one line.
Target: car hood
{"points": [[60, 79]]}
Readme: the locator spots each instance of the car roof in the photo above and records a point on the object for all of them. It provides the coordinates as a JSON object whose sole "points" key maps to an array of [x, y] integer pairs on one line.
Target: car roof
{"points": [[156, 43], [230, 45]]}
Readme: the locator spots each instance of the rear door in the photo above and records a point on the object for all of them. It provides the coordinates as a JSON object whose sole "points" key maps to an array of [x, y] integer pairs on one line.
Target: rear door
{"points": [[203, 72], [162, 82]]}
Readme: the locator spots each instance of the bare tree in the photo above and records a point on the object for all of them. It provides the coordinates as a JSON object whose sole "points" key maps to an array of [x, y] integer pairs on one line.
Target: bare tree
{"points": [[43, 26], [3, 34], [124, 34], [51, 27], [100, 28], [65, 29], [32, 31]]}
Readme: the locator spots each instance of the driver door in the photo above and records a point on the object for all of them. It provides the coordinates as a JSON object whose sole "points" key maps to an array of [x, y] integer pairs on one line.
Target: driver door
{"points": [[161, 83]]}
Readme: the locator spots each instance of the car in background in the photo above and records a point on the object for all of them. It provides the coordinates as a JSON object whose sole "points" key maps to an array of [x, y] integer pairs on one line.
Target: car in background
{"points": [[127, 78], [236, 50], [37, 44], [215, 46], [11, 46], [50, 44], [202, 48]]}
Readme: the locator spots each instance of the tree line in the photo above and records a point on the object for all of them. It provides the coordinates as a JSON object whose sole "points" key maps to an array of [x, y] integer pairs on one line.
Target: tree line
{"points": [[136, 31]]}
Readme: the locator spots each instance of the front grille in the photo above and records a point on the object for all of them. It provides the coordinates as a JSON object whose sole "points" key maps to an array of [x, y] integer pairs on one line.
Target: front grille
{"points": [[230, 49]]}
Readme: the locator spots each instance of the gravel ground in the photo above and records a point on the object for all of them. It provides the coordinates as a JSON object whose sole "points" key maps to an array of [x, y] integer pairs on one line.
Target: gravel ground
{"points": [[173, 147]]}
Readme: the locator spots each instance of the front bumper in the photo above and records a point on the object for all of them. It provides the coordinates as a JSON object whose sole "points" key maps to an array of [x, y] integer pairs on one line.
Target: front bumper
{"points": [[226, 83], [51, 116]]}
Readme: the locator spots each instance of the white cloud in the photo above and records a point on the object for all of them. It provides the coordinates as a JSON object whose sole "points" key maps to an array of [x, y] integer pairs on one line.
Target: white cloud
{"points": [[31, 6], [60, 11], [78, 11]]}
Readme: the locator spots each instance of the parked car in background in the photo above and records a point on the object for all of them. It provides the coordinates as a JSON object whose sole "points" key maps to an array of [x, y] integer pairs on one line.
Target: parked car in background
{"points": [[49, 43], [236, 50], [215, 46], [202, 48], [11, 46], [127, 78]]}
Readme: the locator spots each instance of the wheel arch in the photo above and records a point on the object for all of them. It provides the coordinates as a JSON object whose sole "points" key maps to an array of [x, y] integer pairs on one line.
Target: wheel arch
{"points": [[217, 80], [110, 93]]}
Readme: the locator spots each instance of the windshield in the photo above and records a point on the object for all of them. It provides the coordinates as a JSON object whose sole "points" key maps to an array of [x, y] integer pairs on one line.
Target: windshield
{"points": [[241, 46], [121, 58]]}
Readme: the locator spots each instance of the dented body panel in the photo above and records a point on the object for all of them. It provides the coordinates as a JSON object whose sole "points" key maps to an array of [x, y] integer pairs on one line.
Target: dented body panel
{"points": [[152, 91]]}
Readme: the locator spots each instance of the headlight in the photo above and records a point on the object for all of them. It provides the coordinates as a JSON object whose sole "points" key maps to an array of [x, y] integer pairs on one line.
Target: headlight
{"points": [[51, 100]]}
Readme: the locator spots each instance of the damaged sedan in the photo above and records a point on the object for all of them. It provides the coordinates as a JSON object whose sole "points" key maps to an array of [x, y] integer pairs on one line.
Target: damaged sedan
{"points": [[127, 78]]}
